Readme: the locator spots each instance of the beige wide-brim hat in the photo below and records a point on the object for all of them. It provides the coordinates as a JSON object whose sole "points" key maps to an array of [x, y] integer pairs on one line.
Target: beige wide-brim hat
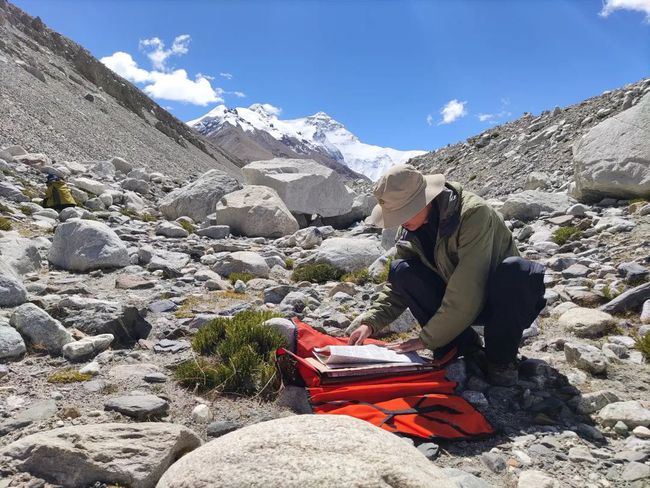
{"points": [[402, 192]]}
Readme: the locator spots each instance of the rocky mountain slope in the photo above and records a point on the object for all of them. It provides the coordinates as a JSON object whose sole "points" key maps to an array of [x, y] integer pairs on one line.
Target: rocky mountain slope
{"points": [[498, 161], [105, 305], [55, 96], [258, 133]]}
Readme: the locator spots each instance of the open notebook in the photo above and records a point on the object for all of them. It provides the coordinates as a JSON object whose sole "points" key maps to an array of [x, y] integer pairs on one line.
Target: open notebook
{"points": [[368, 360]]}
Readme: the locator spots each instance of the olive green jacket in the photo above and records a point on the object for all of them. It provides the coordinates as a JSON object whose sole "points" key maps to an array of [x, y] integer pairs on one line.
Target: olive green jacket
{"points": [[472, 241]]}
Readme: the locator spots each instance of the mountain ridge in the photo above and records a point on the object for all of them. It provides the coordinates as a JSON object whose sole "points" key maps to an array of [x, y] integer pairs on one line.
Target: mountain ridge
{"points": [[317, 134]]}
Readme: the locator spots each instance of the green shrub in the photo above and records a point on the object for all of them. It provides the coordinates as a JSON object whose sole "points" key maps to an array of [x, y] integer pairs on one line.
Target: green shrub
{"points": [[245, 277], [26, 210], [289, 263], [5, 224], [316, 273], [187, 226], [68, 376], [236, 355], [562, 235], [358, 276], [383, 276], [643, 344]]}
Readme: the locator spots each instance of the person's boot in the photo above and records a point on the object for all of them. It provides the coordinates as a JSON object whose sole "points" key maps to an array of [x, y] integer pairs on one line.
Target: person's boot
{"points": [[506, 374]]}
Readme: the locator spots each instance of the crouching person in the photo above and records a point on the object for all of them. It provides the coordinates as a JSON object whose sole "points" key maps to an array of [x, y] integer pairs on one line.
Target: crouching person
{"points": [[57, 195], [456, 264]]}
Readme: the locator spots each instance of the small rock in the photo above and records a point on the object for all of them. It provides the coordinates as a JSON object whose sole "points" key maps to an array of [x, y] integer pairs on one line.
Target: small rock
{"points": [[429, 449], [537, 479], [494, 461], [155, 378], [641, 432], [201, 414], [580, 455], [621, 429], [222, 427], [138, 406]]}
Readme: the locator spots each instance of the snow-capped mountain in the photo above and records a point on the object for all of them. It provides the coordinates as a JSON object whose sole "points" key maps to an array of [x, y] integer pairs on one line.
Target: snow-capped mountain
{"points": [[317, 136]]}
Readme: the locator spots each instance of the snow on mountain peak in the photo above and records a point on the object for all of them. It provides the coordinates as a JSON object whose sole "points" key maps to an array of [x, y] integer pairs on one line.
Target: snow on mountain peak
{"points": [[319, 131]]}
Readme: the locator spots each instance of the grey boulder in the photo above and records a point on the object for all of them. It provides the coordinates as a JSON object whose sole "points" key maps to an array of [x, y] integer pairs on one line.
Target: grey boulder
{"points": [[255, 211], [134, 455], [304, 185], [40, 329], [12, 345], [85, 245], [349, 254], [613, 158], [199, 198], [327, 449]]}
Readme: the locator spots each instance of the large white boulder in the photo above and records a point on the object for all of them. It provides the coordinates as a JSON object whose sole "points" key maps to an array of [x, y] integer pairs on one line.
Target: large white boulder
{"points": [[349, 254], [613, 158], [134, 454], [586, 322], [304, 185], [256, 211], [88, 185], [84, 245], [305, 451], [199, 198], [527, 205], [242, 262]]}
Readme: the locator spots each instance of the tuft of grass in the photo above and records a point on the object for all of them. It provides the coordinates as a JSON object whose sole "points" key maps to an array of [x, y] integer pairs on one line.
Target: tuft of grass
{"points": [[185, 310], [383, 276], [358, 276], [187, 226], [147, 217], [26, 210], [643, 344], [562, 235], [5, 223], [235, 355], [317, 273], [129, 213], [68, 376], [289, 263], [245, 277], [4, 208]]}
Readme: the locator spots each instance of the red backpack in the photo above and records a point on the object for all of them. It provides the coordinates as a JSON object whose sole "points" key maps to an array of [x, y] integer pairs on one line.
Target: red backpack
{"points": [[421, 404]]}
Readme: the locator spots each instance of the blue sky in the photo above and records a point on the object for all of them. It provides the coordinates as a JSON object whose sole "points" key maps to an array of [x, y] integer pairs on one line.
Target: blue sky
{"points": [[404, 74]]}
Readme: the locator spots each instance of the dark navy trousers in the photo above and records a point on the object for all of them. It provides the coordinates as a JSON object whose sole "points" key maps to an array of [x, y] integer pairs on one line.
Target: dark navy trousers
{"points": [[514, 297]]}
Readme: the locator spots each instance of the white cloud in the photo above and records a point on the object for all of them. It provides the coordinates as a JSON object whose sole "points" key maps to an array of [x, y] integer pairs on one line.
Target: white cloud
{"points": [[176, 86], [156, 52], [163, 82], [429, 119], [228, 76], [125, 66], [610, 6], [494, 118], [452, 111]]}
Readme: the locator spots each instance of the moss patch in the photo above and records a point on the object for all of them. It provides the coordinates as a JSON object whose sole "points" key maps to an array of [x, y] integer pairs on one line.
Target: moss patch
{"points": [[358, 276], [289, 263], [562, 235], [245, 277], [383, 276], [317, 273], [234, 355], [68, 376], [5, 224]]}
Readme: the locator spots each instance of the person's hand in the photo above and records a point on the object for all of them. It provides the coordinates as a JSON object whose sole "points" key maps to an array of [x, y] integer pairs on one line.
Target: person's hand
{"points": [[359, 335], [407, 346]]}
